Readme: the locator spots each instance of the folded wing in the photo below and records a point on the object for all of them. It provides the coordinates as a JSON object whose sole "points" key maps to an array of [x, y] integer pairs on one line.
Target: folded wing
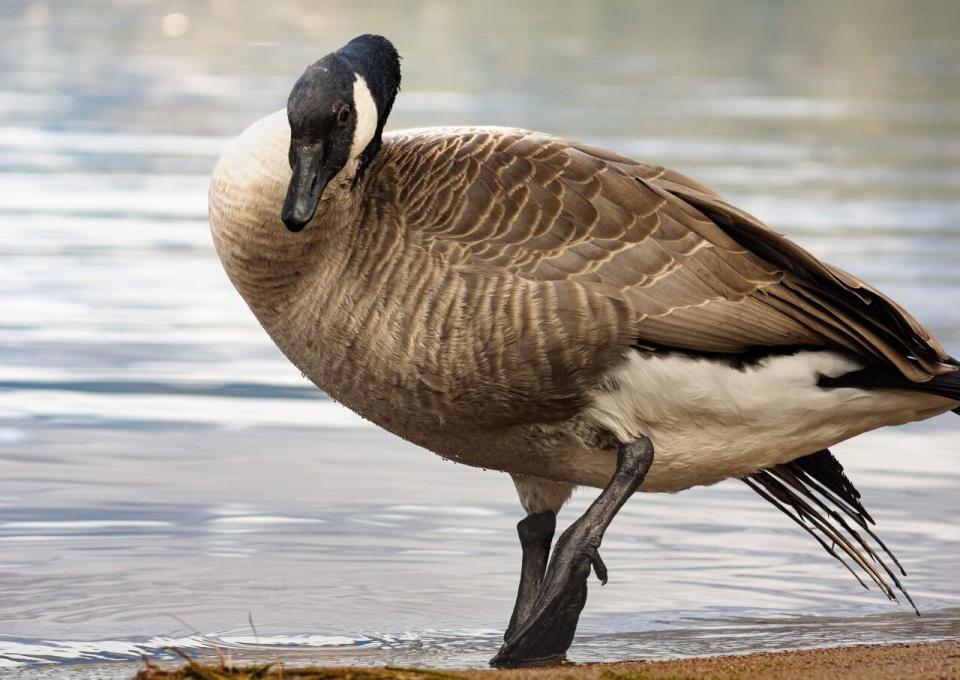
{"points": [[590, 226]]}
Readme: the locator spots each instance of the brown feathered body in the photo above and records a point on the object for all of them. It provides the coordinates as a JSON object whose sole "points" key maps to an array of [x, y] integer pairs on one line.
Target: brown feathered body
{"points": [[519, 302]]}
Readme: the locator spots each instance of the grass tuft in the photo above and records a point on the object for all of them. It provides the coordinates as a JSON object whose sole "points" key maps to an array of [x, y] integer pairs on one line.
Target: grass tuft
{"points": [[225, 670]]}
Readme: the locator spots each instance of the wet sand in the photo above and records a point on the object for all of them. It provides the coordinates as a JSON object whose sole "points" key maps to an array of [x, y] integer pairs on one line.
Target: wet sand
{"points": [[874, 662]]}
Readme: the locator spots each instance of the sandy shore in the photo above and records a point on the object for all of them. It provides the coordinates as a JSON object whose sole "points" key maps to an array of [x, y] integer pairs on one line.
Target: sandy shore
{"points": [[873, 662]]}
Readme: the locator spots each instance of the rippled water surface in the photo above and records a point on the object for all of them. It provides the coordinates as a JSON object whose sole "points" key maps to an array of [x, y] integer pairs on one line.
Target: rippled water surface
{"points": [[165, 476]]}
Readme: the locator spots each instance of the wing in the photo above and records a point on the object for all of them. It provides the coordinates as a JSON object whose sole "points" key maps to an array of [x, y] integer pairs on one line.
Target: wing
{"points": [[592, 227]]}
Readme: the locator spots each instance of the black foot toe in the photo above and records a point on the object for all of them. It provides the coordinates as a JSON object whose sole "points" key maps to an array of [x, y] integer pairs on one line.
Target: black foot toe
{"points": [[599, 568]]}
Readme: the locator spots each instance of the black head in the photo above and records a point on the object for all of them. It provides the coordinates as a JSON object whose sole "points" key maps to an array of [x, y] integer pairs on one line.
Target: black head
{"points": [[337, 110]]}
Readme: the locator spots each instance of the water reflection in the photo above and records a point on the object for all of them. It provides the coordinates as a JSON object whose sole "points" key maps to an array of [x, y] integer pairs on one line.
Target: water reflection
{"points": [[160, 458]]}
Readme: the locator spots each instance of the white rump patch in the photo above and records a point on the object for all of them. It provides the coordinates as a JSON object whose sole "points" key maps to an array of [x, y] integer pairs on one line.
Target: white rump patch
{"points": [[366, 110], [709, 421]]}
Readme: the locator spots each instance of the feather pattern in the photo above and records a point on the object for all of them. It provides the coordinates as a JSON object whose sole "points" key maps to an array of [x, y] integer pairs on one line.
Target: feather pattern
{"points": [[815, 492], [695, 272]]}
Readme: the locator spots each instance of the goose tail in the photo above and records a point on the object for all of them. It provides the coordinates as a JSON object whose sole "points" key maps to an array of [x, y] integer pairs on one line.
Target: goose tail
{"points": [[815, 493], [945, 385], [878, 377]]}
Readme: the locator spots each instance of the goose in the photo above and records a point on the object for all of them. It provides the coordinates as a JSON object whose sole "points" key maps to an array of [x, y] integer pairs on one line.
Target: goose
{"points": [[516, 301]]}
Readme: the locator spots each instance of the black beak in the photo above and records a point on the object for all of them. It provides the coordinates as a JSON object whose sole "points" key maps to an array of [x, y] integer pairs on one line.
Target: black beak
{"points": [[309, 179]]}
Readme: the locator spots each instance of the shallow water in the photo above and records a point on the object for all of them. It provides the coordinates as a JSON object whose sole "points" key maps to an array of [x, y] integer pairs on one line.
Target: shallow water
{"points": [[167, 477]]}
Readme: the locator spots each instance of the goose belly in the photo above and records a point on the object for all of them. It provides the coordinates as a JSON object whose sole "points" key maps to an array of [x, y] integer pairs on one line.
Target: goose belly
{"points": [[710, 421]]}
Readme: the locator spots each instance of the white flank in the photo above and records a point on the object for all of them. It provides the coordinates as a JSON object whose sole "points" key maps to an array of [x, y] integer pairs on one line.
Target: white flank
{"points": [[709, 421], [366, 110]]}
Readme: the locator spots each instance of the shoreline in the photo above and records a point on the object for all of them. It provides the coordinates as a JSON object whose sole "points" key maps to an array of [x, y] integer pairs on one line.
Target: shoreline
{"points": [[873, 662]]}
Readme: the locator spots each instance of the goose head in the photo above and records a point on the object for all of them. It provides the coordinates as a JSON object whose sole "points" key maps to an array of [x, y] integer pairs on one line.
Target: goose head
{"points": [[336, 111]]}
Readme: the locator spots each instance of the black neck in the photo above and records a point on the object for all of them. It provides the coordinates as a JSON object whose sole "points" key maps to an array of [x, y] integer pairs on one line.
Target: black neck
{"points": [[374, 58]]}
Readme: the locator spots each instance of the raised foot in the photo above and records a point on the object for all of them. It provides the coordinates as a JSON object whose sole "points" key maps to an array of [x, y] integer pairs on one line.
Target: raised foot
{"points": [[543, 636]]}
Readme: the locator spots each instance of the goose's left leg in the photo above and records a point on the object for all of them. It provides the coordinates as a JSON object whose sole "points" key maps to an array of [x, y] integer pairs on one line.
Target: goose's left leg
{"points": [[545, 634]]}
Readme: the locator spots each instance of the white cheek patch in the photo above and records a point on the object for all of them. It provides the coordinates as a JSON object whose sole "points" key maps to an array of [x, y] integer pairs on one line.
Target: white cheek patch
{"points": [[366, 111]]}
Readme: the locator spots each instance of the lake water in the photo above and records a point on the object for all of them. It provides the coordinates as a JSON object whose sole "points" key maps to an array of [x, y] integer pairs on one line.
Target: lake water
{"points": [[166, 477]]}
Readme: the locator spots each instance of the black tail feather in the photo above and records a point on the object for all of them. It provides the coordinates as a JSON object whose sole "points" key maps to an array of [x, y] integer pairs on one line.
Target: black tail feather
{"points": [[880, 377], [815, 493]]}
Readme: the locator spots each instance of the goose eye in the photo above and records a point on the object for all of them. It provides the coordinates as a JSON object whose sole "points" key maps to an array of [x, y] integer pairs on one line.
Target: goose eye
{"points": [[343, 115]]}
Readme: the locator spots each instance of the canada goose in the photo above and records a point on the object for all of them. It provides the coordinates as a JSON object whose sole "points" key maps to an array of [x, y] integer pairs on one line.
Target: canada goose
{"points": [[515, 301]]}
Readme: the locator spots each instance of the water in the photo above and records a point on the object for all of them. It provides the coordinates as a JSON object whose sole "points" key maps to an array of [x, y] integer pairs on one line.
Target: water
{"points": [[167, 477]]}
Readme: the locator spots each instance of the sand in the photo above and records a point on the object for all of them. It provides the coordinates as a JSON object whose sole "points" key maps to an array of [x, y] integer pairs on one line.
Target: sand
{"points": [[873, 662]]}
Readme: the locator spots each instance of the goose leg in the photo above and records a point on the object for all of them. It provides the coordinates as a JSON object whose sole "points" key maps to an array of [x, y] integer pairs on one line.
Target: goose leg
{"points": [[545, 634], [536, 535]]}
